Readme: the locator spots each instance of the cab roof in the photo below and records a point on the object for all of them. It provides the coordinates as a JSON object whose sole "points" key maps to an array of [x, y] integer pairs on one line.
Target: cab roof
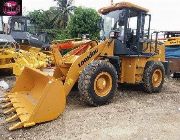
{"points": [[120, 6]]}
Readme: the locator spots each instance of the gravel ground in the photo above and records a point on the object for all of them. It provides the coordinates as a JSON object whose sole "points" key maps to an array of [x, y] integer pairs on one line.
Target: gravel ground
{"points": [[133, 114]]}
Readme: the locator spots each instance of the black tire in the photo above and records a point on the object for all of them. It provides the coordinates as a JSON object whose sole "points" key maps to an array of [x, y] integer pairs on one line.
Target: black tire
{"points": [[150, 68], [87, 79]]}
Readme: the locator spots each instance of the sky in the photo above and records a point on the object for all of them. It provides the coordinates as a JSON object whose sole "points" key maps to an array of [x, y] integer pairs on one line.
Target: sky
{"points": [[165, 13]]}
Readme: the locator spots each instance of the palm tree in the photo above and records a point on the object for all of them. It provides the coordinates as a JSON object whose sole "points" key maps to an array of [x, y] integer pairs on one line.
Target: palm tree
{"points": [[64, 9]]}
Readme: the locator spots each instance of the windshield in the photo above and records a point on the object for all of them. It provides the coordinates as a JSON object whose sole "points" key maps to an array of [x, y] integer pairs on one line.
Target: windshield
{"points": [[23, 25], [19, 25], [31, 27], [111, 22]]}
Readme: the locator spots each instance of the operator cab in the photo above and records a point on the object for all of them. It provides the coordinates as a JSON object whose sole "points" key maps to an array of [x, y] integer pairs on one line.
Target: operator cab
{"points": [[128, 25], [25, 32]]}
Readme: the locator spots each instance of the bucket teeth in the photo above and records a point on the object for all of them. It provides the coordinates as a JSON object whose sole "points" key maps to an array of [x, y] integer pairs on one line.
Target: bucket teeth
{"points": [[17, 107], [7, 105], [2, 123], [13, 118], [5, 100], [9, 110], [12, 96], [16, 126], [21, 114], [5, 96]]}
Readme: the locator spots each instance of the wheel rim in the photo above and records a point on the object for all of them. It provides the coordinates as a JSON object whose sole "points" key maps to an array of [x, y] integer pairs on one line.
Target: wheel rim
{"points": [[157, 78], [103, 84]]}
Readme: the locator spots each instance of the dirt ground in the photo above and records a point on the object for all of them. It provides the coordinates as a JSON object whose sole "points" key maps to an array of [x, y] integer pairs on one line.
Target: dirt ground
{"points": [[133, 115]]}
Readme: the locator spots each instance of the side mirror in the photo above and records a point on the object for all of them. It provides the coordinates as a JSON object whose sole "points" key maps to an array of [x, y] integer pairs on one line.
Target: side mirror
{"points": [[114, 34], [145, 34]]}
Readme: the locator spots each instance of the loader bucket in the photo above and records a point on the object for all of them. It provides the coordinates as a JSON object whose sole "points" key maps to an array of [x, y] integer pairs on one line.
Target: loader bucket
{"points": [[35, 98]]}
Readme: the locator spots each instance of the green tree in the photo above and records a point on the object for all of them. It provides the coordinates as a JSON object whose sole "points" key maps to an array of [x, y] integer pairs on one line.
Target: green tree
{"points": [[84, 21], [63, 13], [41, 19], [55, 17]]}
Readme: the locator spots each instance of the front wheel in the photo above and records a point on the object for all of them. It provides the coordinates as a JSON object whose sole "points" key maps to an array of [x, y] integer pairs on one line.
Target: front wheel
{"points": [[98, 83], [153, 77]]}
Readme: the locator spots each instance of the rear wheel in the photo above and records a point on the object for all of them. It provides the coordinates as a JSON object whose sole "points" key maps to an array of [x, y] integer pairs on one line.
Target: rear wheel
{"points": [[98, 83], [153, 77]]}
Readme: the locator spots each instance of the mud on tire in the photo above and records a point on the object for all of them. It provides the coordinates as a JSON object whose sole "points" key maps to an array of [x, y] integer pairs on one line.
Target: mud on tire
{"points": [[87, 79], [149, 70]]}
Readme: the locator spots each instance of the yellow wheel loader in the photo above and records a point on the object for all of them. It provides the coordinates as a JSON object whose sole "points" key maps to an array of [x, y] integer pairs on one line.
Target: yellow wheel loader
{"points": [[15, 59], [127, 55]]}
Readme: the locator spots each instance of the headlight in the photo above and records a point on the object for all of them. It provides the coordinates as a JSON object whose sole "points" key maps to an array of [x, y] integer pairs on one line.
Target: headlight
{"points": [[112, 34]]}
